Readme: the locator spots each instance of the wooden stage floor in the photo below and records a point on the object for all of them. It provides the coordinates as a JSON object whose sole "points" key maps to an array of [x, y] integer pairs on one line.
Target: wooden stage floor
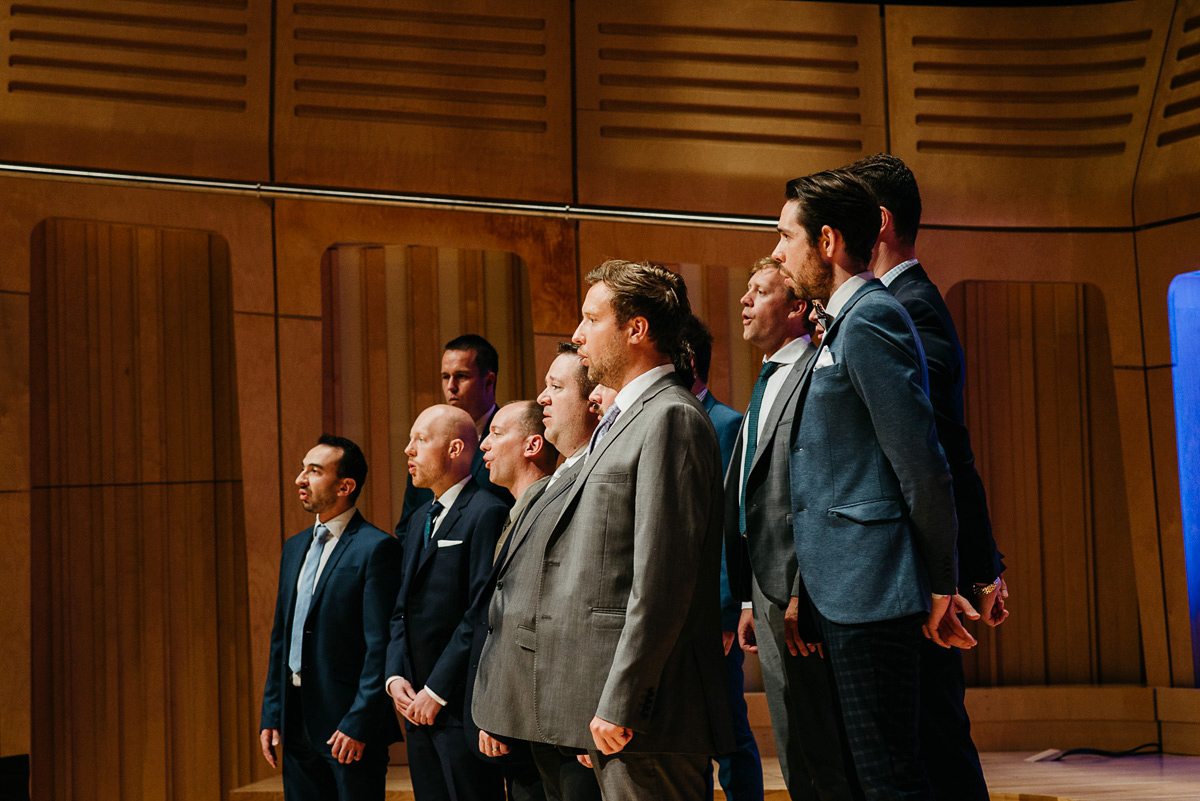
{"points": [[1010, 778]]}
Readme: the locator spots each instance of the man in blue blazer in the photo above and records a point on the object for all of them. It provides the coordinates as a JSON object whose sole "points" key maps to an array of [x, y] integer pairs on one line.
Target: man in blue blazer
{"points": [[448, 553], [872, 505], [946, 746], [324, 691], [739, 771]]}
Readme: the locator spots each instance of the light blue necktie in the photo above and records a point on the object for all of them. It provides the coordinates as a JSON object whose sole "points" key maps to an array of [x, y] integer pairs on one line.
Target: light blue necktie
{"points": [[756, 399], [304, 594], [606, 423]]}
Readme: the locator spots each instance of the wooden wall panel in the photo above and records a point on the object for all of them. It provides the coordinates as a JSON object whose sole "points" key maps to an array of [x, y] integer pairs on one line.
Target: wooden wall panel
{"points": [[1032, 718], [713, 107], [1021, 116], [1040, 400], [1168, 178], [419, 97], [143, 619], [181, 88]]}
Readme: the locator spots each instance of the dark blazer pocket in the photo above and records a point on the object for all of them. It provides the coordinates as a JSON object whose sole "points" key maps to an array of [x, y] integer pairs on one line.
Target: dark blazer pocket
{"points": [[884, 510], [608, 617], [526, 638]]}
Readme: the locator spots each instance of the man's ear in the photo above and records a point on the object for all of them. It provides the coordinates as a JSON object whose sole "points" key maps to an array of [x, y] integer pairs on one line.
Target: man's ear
{"points": [[638, 329], [346, 486], [456, 448], [799, 309], [489, 380], [533, 445], [827, 245]]}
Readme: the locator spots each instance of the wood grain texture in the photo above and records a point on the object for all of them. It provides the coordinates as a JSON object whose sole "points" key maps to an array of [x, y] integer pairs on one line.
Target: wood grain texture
{"points": [[1011, 120], [143, 558], [710, 107], [119, 85], [472, 100]]}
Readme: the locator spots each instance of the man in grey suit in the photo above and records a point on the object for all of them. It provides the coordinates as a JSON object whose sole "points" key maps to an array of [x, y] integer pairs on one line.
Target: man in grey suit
{"points": [[808, 735], [505, 664], [629, 663], [872, 506]]}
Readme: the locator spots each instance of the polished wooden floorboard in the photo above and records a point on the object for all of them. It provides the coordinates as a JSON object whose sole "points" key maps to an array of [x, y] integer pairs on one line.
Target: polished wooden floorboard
{"points": [[1010, 778]]}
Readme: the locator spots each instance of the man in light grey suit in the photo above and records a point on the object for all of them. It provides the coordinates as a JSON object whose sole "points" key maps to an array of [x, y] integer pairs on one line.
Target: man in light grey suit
{"points": [[629, 662], [804, 719], [872, 507]]}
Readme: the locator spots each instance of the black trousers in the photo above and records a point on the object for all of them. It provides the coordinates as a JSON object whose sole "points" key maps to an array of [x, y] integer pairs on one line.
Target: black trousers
{"points": [[947, 749], [310, 773]]}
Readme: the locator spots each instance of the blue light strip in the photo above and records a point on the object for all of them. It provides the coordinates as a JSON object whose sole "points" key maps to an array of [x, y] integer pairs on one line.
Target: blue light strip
{"points": [[1183, 311]]}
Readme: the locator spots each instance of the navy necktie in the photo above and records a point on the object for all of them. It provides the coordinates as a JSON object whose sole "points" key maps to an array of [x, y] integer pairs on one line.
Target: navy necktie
{"points": [[434, 511], [756, 399], [304, 593]]}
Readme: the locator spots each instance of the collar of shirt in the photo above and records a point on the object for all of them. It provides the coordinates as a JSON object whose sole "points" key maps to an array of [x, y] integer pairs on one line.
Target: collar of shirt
{"points": [[702, 394], [481, 425], [790, 352], [894, 273], [337, 525], [846, 291], [447, 498], [570, 460], [635, 388]]}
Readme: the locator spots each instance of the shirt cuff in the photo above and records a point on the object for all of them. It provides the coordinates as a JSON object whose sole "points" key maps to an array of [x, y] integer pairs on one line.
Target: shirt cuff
{"points": [[435, 696], [747, 605], [388, 683]]}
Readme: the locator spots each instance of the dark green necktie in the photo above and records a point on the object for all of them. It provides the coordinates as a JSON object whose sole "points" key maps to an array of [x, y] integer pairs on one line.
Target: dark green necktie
{"points": [[756, 398]]}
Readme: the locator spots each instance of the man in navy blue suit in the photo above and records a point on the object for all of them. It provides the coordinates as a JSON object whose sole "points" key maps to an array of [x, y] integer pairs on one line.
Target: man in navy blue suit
{"points": [[740, 771], [872, 506], [946, 746], [448, 552], [324, 691]]}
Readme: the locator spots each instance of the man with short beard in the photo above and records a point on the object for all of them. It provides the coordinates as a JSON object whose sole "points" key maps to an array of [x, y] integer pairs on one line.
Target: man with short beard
{"points": [[626, 635], [872, 507], [448, 552], [324, 691]]}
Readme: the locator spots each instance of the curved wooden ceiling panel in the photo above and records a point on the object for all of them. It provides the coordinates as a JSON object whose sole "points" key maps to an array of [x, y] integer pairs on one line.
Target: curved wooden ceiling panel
{"points": [[1168, 182], [713, 106], [177, 88], [1024, 117], [414, 96]]}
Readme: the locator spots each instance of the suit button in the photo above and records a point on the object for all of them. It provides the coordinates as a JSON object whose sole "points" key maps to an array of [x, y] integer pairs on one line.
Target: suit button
{"points": [[489, 629], [499, 585]]}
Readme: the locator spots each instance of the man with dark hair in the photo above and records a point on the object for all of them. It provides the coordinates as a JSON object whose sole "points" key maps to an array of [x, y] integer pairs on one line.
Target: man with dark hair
{"points": [[776, 619], [627, 632], [506, 664], [740, 771], [448, 553], [469, 368], [946, 746], [324, 690], [871, 500]]}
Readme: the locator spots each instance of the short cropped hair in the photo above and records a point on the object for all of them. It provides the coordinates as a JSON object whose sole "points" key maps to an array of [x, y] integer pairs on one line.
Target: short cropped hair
{"points": [[770, 263], [651, 291], [352, 463], [585, 384], [895, 188], [837, 198], [487, 360]]}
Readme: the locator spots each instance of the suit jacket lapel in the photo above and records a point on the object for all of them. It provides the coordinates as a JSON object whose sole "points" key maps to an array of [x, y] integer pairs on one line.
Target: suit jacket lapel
{"points": [[873, 285], [524, 524], [449, 518], [339, 549], [783, 401], [291, 576]]}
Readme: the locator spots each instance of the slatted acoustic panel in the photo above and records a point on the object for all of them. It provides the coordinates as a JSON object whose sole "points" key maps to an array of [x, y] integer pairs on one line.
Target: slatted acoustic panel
{"points": [[1024, 116], [141, 677], [712, 106], [1041, 405], [389, 311], [1168, 183], [166, 86], [470, 98]]}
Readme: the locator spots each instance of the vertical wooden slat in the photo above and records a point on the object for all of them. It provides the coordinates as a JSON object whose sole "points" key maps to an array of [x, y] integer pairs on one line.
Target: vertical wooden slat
{"points": [[425, 351], [376, 387]]}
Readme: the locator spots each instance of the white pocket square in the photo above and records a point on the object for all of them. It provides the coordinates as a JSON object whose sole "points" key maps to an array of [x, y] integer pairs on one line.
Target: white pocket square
{"points": [[824, 359], [448, 543]]}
